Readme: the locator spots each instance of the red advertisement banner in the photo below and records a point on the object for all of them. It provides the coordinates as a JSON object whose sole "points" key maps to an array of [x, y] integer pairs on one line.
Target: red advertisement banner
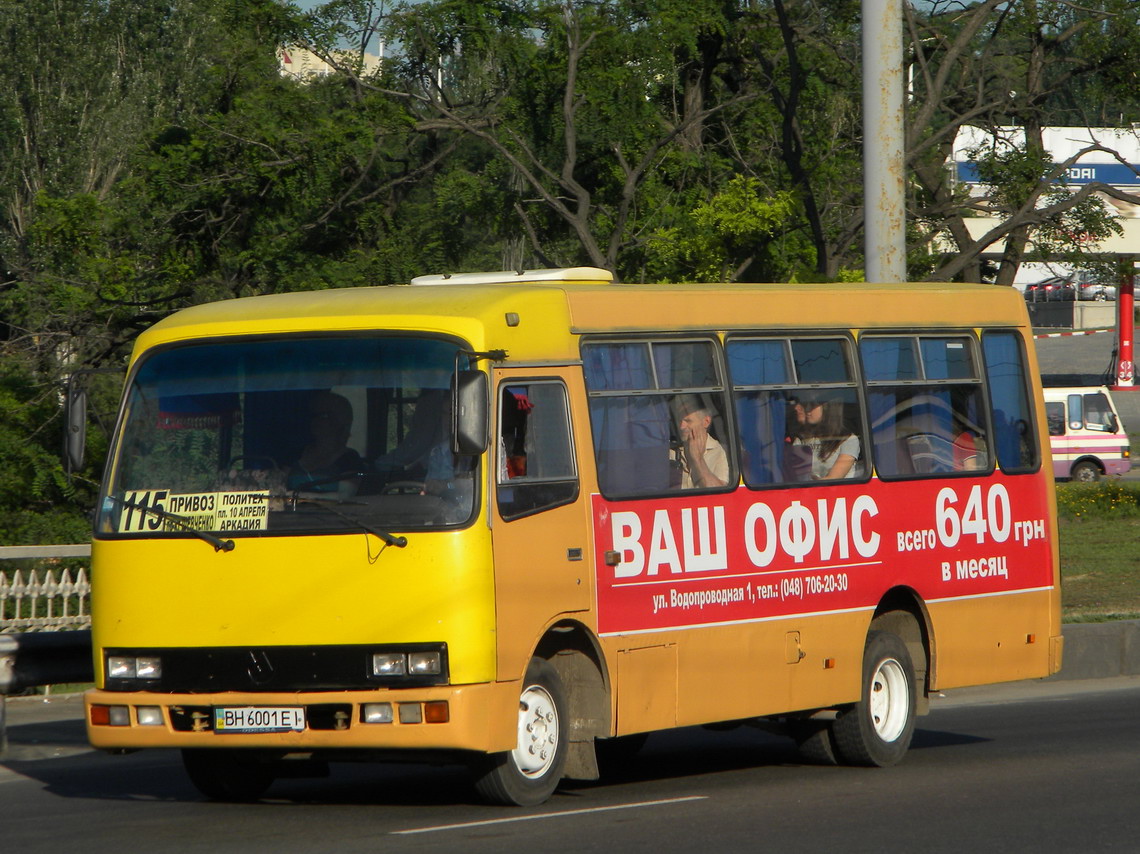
{"points": [[690, 560]]}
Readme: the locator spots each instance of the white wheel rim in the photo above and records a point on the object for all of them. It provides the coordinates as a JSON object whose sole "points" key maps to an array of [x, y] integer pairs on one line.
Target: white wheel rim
{"points": [[889, 702], [538, 732]]}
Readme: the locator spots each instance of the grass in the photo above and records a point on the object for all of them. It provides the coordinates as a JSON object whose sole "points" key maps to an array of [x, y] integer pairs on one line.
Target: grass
{"points": [[1100, 550]]}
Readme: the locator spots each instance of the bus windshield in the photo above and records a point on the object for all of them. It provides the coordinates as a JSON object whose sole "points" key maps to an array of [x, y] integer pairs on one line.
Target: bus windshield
{"points": [[290, 435]]}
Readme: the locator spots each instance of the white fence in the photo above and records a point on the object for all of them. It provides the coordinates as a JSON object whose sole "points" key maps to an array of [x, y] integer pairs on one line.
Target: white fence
{"points": [[49, 599]]}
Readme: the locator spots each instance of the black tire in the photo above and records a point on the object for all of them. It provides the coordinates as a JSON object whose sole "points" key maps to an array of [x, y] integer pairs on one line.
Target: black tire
{"points": [[529, 774], [814, 742], [227, 774], [1085, 472], [877, 730]]}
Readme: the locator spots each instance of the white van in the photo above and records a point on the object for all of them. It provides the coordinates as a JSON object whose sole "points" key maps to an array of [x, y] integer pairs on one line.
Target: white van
{"points": [[1086, 434]]}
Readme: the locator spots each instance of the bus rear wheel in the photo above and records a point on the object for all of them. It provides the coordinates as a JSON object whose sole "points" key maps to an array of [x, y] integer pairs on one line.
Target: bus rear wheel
{"points": [[877, 730], [814, 742], [529, 774], [1085, 472], [228, 774]]}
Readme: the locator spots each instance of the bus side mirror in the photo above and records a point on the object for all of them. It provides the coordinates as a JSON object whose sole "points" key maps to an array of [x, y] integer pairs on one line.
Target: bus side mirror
{"points": [[1113, 424], [75, 429], [470, 413]]}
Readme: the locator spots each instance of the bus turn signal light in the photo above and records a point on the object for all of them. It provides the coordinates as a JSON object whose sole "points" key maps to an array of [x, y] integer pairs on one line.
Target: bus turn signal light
{"points": [[436, 712]]}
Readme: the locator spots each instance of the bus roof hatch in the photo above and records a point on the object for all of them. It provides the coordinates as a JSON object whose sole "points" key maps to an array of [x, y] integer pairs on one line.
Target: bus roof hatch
{"points": [[562, 275]]}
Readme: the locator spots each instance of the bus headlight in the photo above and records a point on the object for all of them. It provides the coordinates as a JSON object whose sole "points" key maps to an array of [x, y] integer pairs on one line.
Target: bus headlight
{"points": [[389, 664], [407, 665], [424, 664], [147, 667]]}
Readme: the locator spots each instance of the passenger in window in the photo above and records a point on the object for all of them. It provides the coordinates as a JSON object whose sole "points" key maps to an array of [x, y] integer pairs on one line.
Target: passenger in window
{"points": [[449, 476], [327, 464], [969, 452], [817, 426], [699, 457], [514, 418], [410, 457]]}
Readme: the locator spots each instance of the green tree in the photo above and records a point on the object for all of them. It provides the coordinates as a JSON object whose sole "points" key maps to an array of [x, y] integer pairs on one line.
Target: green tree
{"points": [[600, 112], [999, 64]]}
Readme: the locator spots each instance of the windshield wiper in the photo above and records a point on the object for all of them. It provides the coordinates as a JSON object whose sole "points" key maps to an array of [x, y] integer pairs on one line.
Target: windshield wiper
{"points": [[329, 505], [218, 543]]}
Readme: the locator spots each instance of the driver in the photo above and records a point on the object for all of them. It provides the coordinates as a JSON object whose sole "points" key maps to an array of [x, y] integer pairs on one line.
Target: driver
{"points": [[326, 463]]}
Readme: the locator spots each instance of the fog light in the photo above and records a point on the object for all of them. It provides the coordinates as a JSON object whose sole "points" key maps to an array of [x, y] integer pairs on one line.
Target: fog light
{"points": [[149, 715], [436, 712], [410, 713], [376, 713], [119, 715], [148, 668], [424, 663], [389, 664]]}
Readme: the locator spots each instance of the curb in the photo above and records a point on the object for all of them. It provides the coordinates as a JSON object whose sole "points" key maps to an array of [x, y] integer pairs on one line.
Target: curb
{"points": [[1100, 650]]}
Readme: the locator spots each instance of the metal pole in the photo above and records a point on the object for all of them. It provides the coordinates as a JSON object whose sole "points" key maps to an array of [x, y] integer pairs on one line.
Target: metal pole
{"points": [[884, 201], [1125, 369]]}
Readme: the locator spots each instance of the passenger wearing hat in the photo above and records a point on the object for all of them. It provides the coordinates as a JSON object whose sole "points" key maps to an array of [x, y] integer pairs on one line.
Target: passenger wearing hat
{"points": [[818, 425], [701, 458]]}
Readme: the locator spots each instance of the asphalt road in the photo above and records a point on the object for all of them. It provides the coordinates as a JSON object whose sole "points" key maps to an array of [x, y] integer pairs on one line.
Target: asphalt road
{"points": [[1037, 767]]}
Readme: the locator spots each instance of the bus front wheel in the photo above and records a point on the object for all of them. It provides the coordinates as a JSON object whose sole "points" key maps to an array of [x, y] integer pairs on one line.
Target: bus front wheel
{"points": [[529, 774], [877, 730], [227, 774]]}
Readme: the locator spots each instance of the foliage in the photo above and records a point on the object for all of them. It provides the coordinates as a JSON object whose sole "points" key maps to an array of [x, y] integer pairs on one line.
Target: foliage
{"points": [[1100, 570], [995, 64], [1099, 522], [1106, 499], [38, 504], [712, 234], [152, 157]]}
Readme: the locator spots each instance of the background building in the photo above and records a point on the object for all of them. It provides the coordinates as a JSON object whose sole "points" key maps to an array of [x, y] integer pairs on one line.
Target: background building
{"points": [[1063, 143]]}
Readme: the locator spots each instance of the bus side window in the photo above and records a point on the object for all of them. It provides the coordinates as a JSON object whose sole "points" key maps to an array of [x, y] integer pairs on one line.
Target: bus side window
{"points": [[1055, 415], [535, 453], [634, 390], [925, 399], [1015, 441], [798, 409]]}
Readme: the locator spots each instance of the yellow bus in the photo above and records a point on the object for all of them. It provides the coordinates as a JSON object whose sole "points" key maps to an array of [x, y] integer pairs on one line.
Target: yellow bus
{"points": [[514, 520]]}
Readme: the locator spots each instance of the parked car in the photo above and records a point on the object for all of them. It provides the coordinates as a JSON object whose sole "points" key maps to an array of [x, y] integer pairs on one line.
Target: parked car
{"points": [[1091, 286], [1048, 290]]}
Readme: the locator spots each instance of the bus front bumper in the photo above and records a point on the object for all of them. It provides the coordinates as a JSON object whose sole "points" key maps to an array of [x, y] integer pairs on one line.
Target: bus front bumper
{"points": [[466, 717]]}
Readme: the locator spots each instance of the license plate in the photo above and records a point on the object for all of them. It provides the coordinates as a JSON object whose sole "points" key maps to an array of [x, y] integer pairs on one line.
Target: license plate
{"points": [[259, 719]]}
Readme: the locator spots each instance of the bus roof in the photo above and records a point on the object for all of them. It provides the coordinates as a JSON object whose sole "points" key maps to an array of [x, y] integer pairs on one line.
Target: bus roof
{"points": [[538, 315]]}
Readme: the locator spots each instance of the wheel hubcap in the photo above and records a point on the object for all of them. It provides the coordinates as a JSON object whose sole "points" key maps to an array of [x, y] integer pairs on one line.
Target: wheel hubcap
{"points": [[889, 700], [538, 732]]}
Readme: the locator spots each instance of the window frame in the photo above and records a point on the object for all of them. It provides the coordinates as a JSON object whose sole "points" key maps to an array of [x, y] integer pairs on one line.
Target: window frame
{"points": [[793, 383], [724, 421], [978, 382], [1032, 401], [523, 482]]}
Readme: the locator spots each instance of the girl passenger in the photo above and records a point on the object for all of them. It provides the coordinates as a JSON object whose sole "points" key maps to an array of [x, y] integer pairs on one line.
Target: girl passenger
{"points": [[817, 426]]}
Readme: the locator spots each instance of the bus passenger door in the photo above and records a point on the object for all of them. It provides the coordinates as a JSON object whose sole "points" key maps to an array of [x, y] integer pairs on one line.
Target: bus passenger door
{"points": [[540, 531]]}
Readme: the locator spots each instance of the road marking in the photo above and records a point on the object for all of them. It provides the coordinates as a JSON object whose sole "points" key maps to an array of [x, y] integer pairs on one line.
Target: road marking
{"points": [[468, 824]]}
